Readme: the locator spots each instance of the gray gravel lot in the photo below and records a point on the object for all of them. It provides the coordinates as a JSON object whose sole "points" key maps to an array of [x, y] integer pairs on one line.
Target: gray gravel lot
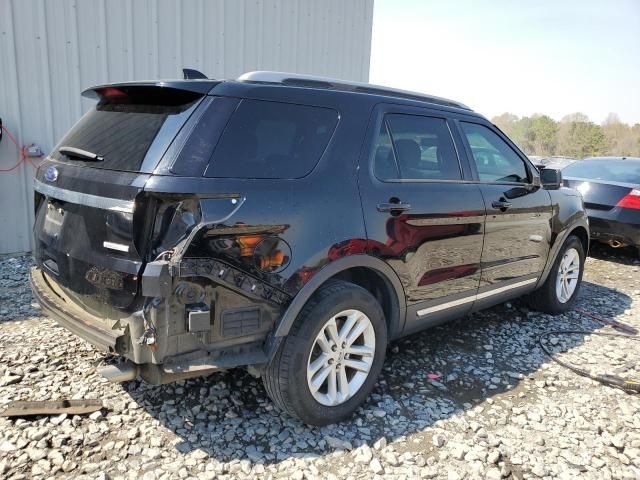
{"points": [[476, 398]]}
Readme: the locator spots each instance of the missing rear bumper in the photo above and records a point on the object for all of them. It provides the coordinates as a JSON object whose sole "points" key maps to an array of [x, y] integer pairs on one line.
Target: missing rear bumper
{"points": [[63, 313], [119, 373], [154, 374], [191, 340]]}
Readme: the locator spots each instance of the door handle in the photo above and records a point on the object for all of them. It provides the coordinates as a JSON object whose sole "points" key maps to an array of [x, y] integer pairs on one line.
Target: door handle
{"points": [[501, 204], [393, 207]]}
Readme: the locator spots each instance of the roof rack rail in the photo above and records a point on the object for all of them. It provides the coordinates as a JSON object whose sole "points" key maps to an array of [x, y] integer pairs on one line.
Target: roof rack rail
{"points": [[312, 81]]}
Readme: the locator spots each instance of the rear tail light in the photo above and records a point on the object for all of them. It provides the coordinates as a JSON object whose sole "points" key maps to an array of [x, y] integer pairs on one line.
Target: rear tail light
{"points": [[630, 200]]}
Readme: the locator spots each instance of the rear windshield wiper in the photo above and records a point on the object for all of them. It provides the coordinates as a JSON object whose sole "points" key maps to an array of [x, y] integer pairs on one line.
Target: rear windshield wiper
{"points": [[73, 152]]}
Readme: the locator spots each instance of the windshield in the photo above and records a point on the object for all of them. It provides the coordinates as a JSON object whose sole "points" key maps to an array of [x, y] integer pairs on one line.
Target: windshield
{"points": [[609, 170]]}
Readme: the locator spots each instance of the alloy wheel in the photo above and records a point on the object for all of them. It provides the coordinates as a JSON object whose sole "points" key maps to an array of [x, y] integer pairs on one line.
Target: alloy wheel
{"points": [[341, 357], [568, 274]]}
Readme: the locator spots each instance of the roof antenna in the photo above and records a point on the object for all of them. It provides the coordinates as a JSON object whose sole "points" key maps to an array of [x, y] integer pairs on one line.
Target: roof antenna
{"points": [[191, 74]]}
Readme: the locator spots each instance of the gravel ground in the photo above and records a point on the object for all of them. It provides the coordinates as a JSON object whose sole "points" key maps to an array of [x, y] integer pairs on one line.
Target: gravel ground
{"points": [[476, 398]]}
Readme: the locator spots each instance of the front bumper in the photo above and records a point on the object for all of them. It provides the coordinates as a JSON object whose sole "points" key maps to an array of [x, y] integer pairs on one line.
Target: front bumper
{"points": [[57, 307]]}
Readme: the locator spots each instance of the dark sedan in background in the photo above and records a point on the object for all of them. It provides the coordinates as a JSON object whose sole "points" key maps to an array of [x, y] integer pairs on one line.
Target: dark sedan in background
{"points": [[610, 187]]}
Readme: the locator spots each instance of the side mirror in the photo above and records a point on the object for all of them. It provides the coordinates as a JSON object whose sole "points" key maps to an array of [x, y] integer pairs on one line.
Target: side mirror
{"points": [[551, 178]]}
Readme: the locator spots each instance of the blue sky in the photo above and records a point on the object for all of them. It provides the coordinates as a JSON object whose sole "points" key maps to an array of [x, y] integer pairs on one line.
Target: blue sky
{"points": [[524, 57]]}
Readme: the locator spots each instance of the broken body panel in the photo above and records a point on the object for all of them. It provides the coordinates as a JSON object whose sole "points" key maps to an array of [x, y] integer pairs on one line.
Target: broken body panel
{"points": [[189, 257], [188, 272]]}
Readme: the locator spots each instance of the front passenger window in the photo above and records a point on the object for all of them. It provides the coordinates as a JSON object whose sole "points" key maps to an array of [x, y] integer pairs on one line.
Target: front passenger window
{"points": [[495, 160]]}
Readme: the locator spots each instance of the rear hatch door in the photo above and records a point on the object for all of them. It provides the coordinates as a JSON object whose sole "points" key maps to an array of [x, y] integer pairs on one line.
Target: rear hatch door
{"points": [[91, 219]]}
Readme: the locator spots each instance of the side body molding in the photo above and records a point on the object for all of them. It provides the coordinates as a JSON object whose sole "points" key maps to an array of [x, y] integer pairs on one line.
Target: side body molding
{"points": [[330, 270]]}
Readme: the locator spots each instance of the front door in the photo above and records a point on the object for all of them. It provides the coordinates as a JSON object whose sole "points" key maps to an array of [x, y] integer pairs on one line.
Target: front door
{"points": [[421, 216], [517, 229]]}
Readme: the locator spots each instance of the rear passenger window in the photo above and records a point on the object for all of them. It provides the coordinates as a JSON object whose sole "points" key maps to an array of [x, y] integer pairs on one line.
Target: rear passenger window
{"points": [[195, 154], [384, 162], [272, 140], [495, 160], [413, 147]]}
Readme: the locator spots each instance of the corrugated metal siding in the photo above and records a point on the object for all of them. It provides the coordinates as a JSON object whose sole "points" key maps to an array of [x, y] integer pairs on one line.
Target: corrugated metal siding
{"points": [[51, 50]]}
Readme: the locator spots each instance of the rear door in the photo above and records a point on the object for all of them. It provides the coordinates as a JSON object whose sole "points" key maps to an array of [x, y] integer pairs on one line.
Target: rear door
{"points": [[421, 214], [91, 221], [517, 229]]}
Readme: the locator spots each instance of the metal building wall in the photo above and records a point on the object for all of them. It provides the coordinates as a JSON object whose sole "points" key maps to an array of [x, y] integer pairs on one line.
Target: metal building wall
{"points": [[51, 50]]}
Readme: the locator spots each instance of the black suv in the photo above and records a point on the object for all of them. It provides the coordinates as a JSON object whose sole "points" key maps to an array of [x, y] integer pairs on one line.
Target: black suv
{"points": [[291, 225]]}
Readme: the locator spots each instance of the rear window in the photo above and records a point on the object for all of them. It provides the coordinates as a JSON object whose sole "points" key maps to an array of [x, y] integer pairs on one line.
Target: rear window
{"points": [[272, 140], [609, 170], [122, 132]]}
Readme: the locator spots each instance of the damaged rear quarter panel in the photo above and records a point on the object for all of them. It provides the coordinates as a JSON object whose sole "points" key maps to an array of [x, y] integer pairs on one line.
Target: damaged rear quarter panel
{"points": [[307, 216], [259, 239]]}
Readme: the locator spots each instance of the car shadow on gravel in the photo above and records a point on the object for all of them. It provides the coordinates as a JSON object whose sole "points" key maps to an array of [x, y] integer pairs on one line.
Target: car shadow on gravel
{"points": [[622, 255], [427, 377]]}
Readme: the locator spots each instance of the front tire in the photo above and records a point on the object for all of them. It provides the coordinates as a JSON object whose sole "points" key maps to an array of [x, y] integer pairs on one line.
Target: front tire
{"points": [[330, 360], [559, 292]]}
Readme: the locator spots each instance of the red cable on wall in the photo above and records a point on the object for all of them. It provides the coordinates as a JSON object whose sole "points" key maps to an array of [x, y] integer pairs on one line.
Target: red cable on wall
{"points": [[23, 153]]}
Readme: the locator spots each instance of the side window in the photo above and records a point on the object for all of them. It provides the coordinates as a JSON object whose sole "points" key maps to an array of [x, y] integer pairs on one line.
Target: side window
{"points": [[272, 140], [384, 162], [196, 152], [422, 147], [495, 160]]}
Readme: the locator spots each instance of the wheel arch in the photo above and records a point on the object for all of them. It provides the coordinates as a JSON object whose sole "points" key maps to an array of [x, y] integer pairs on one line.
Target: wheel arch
{"points": [[580, 229], [583, 235], [370, 273]]}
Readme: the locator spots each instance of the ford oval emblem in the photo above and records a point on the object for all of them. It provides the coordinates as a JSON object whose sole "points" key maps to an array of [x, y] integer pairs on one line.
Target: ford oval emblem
{"points": [[51, 175]]}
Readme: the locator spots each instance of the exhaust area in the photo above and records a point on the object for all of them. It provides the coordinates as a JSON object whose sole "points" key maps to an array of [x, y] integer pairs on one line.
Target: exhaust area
{"points": [[616, 244], [123, 372]]}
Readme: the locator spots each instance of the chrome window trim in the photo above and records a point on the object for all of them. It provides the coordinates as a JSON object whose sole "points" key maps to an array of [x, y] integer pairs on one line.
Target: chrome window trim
{"points": [[120, 247]]}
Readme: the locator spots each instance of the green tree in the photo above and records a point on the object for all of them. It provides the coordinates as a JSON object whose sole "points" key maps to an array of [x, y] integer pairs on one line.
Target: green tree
{"points": [[524, 135], [574, 136], [535, 135], [575, 117], [506, 122], [515, 128], [635, 131], [544, 134], [578, 137], [622, 140]]}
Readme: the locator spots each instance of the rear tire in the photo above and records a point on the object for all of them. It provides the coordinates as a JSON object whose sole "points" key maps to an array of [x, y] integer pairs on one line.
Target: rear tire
{"points": [[559, 292], [315, 352]]}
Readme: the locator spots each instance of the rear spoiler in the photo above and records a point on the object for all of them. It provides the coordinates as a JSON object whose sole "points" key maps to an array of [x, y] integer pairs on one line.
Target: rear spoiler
{"points": [[196, 87]]}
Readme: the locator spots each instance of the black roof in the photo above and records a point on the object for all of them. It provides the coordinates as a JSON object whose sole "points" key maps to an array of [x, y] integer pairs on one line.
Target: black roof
{"points": [[294, 89]]}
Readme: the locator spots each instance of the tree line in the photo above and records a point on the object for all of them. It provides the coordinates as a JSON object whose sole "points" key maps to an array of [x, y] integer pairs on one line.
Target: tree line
{"points": [[574, 136]]}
